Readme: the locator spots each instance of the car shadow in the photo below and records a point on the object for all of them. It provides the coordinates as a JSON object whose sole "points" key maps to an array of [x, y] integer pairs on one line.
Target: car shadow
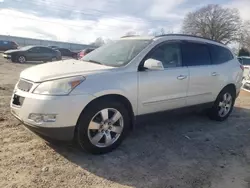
{"points": [[172, 149]]}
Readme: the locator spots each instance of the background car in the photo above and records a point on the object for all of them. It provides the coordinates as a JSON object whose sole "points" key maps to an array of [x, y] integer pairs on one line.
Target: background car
{"points": [[245, 61], [68, 53], [85, 52], [54, 47], [7, 45], [32, 53]]}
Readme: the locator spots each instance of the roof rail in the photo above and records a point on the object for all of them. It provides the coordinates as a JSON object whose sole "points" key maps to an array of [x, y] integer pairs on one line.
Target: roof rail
{"points": [[186, 35]]}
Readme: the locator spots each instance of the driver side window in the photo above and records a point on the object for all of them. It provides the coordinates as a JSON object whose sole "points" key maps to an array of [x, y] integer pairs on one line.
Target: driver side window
{"points": [[169, 54]]}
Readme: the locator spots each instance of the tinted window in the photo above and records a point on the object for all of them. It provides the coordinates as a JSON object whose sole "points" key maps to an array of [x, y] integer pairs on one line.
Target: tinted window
{"points": [[194, 54], [245, 61], [64, 50], [220, 54], [34, 49], [45, 50], [168, 54]]}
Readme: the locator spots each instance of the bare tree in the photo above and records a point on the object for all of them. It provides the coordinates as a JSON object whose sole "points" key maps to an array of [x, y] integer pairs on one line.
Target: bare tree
{"points": [[214, 22], [245, 35]]}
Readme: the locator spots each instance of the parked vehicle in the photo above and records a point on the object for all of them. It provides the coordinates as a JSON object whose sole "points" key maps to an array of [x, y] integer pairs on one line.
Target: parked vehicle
{"points": [[95, 100], [85, 52], [245, 61], [32, 53], [68, 53], [7, 45], [54, 47]]}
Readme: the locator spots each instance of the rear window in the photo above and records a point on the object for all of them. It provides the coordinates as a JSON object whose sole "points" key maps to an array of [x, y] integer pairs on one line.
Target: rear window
{"points": [[245, 61], [220, 54], [194, 54]]}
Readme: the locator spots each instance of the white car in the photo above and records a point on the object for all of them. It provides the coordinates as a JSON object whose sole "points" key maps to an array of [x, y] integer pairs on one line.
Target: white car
{"points": [[96, 99], [245, 61]]}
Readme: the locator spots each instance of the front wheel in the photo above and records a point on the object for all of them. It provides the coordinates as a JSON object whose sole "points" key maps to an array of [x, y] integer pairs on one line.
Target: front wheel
{"points": [[21, 59], [102, 127], [223, 105]]}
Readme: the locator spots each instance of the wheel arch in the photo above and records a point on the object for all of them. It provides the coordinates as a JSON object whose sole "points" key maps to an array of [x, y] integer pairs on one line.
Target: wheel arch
{"points": [[230, 86], [113, 97], [20, 54]]}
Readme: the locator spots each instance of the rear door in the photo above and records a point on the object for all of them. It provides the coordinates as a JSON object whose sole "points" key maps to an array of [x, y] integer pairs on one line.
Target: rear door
{"points": [[46, 53], [203, 76]]}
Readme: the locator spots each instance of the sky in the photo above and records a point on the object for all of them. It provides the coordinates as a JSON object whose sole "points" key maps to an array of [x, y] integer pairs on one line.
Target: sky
{"points": [[82, 21]]}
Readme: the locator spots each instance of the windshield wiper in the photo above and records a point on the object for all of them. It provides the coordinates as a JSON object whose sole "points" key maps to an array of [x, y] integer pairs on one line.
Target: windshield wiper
{"points": [[93, 61]]}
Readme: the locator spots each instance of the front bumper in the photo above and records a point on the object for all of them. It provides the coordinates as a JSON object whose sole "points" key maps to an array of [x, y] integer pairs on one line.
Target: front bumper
{"points": [[67, 110], [6, 56], [55, 133]]}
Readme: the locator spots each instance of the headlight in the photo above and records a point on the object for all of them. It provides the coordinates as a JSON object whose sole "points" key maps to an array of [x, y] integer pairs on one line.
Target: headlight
{"points": [[58, 87]]}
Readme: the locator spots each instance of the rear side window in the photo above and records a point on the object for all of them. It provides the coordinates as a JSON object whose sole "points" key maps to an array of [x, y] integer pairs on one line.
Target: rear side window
{"points": [[194, 54], [45, 50], [220, 54]]}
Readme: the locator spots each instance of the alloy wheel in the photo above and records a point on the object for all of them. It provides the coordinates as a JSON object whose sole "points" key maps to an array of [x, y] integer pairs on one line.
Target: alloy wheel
{"points": [[21, 59], [225, 105], [105, 127]]}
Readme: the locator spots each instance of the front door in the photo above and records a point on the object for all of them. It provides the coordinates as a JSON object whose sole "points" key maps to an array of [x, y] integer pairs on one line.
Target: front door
{"points": [[33, 54], [166, 89]]}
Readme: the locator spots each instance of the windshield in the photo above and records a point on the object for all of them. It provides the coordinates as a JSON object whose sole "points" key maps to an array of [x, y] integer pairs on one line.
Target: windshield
{"points": [[117, 53]]}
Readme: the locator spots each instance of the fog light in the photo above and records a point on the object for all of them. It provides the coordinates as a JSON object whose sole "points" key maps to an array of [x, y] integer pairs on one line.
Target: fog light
{"points": [[39, 118]]}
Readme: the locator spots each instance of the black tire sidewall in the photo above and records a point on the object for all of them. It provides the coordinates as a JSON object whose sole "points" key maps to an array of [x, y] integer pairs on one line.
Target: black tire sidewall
{"points": [[215, 109], [88, 114]]}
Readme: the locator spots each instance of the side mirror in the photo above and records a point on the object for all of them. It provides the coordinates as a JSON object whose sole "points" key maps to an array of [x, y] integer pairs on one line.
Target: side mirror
{"points": [[153, 64]]}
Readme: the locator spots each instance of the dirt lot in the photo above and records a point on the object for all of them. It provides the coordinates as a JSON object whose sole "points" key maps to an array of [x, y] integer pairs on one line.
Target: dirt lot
{"points": [[164, 151]]}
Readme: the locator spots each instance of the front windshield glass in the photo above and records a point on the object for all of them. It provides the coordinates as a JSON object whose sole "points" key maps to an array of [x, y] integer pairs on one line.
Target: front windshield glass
{"points": [[117, 53]]}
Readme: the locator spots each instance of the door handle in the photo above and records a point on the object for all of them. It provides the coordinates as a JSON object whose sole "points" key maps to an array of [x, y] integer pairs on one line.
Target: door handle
{"points": [[214, 74], [181, 77]]}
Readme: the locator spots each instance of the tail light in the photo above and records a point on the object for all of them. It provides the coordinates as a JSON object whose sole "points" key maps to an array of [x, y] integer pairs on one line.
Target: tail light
{"points": [[81, 54]]}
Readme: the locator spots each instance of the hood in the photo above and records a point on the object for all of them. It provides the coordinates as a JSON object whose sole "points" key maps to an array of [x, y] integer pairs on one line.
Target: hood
{"points": [[11, 51], [60, 69]]}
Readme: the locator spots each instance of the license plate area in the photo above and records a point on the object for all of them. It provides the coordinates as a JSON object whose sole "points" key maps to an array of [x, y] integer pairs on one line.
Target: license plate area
{"points": [[17, 100]]}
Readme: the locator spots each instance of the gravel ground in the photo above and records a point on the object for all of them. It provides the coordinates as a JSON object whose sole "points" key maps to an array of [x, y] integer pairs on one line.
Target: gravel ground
{"points": [[162, 151]]}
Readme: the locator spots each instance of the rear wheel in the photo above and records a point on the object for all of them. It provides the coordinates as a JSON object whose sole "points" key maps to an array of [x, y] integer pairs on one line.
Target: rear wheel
{"points": [[223, 105], [102, 127]]}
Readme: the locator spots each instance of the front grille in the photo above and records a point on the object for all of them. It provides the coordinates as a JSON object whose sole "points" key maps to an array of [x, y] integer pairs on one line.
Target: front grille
{"points": [[24, 85]]}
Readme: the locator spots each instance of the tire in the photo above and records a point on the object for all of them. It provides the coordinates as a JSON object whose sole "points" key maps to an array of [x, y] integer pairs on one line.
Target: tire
{"points": [[215, 113], [21, 59], [53, 59], [85, 136]]}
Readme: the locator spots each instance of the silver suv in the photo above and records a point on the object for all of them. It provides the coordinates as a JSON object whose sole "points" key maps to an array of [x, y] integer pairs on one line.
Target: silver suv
{"points": [[96, 99]]}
